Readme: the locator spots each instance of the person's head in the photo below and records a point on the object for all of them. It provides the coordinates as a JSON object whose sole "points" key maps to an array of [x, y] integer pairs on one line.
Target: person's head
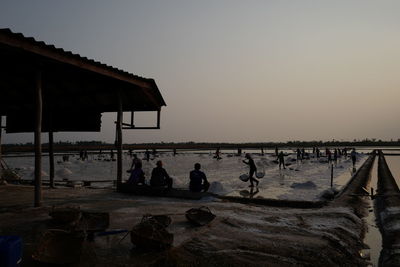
{"points": [[197, 166], [135, 156], [248, 156], [281, 152], [159, 163]]}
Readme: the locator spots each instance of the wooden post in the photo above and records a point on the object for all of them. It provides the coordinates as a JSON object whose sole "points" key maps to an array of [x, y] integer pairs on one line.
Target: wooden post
{"points": [[38, 144], [119, 142], [51, 158]]}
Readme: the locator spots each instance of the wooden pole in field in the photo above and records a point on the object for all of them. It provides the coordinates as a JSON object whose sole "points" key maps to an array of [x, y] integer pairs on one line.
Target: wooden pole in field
{"points": [[119, 142], [51, 158], [38, 144]]}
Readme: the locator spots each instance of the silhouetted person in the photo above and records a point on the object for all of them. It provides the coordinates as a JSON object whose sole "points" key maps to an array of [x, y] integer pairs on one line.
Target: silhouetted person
{"points": [[198, 180], [160, 177], [335, 156], [276, 151], [318, 152], [174, 151], [298, 155], [135, 161], [328, 155], [217, 154], [112, 154], [281, 159], [81, 155], [253, 169], [85, 155], [303, 153], [353, 156], [137, 175]]}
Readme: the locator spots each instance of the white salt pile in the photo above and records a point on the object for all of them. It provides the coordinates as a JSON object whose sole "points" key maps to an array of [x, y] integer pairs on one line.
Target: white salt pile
{"points": [[216, 188], [64, 173]]}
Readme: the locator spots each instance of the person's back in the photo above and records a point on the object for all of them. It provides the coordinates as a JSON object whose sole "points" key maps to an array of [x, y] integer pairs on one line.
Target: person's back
{"points": [[160, 177], [196, 180], [281, 157]]}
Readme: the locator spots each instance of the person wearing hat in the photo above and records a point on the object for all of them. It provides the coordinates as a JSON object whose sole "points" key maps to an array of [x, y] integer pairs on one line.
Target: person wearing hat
{"points": [[253, 169], [160, 177]]}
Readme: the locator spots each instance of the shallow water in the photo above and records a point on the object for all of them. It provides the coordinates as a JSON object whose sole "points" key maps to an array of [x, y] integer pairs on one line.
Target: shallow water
{"points": [[373, 237], [394, 166]]}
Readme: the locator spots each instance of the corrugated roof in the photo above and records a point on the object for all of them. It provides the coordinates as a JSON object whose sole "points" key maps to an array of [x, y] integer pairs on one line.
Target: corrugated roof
{"points": [[18, 40]]}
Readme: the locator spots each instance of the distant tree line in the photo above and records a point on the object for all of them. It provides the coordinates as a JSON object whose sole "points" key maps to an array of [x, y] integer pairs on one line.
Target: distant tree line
{"points": [[100, 145]]}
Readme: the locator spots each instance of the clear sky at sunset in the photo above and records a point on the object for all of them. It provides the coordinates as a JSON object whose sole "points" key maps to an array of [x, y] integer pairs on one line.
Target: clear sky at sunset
{"points": [[237, 71]]}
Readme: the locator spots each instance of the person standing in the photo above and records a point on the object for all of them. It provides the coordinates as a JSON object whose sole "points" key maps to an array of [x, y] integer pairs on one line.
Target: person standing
{"points": [[252, 171], [198, 180], [329, 155], [299, 155], [353, 156], [281, 159]]}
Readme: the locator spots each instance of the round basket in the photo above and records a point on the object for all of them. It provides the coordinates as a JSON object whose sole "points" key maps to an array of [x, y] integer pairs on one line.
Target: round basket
{"points": [[260, 175], [244, 177]]}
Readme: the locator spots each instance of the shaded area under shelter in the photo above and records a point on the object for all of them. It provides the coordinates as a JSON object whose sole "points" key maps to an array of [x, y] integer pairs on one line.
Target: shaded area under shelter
{"points": [[48, 89]]}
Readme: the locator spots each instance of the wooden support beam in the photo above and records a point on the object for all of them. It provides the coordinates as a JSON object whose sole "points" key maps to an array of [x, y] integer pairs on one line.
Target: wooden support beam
{"points": [[38, 144], [119, 141], [51, 158], [158, 118]]}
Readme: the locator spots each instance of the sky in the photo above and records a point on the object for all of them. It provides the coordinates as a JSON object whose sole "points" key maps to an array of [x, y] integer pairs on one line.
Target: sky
{"points": [[236, 71]]}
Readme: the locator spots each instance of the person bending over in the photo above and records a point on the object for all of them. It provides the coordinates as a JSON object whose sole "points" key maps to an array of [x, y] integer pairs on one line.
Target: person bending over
{"points": [[198, 180], [160, 177]]}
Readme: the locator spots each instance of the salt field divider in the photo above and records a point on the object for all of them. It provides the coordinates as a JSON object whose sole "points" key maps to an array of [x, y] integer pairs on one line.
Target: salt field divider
{"points": [[387, 203]]}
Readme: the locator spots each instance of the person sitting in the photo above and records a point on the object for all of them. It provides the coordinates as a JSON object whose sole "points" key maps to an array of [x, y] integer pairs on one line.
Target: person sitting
{"points": [[135, 161], [160, 177], [198, 180], [137, 175]]}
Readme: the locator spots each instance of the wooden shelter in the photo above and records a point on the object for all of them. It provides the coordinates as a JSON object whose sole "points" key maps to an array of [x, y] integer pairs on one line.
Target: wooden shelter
{"points": [[47, 89]]}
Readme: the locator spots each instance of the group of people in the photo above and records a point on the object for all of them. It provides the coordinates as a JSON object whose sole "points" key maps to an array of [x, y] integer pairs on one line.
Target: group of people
{"points": [[160, 178], [198, 180]]}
